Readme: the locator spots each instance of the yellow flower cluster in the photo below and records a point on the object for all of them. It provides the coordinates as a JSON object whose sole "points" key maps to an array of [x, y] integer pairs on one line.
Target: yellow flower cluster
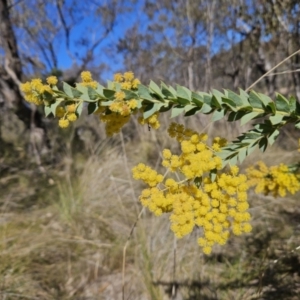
{"points": [[120, 109], [152, 121], [114, 122], [87, 80], [180, 133], [122, 106], [218, 207], [127, 80], [276, 180], [34, 89], [66, 115], [52, 80]]}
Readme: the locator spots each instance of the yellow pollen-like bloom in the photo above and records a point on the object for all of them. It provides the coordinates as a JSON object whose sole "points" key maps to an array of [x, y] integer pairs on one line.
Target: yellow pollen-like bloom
{"points": [[71, 117], [26, 87], [126, 85], [60, 112], [135, 83], [86, 76], [71, 108], [63, 123], [118, 77], [120, 96], [52, 80], [219, 206], [132, 104], [128, 76]]}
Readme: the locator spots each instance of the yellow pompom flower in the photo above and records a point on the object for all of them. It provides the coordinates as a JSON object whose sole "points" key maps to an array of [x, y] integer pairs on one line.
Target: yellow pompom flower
{"points": [[71, 108], [63, 123], [71, 117], [26, 87], [86, 76], [132, 104], [60, 112], [126, 85], [52, 80], [167, 154], [119, 96], [135, 83], [128, 76], [118, 77]]}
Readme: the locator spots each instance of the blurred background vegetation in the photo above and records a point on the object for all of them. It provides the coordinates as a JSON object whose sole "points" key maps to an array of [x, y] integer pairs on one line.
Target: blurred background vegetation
{"points": [[67, 200]]}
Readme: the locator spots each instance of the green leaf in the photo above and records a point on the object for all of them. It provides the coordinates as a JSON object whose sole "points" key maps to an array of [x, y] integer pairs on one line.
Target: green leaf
{"points": [[192, 112], [117, 87], [183, 96], [235, 98], [218, 115], [244, 95], [207, 98], [251, 148], [233, 161], [184, 93], [183, 101], [217, 98], [99, 90], [273, 136], [271, 107], [165, 107], [189, 107], [292, 104], [282, 104], [144, 92], [177, 110], [215, 103], [234, 116], [166, 91], [198, 181], [151, 109], [242, 154], [106, 103], [173, 91], [248, 117], [47, 110], [264, 98], [297, 125], [92, 107], [108, 94], [67, 89], [197, 99], [229, 103], [252, 135], [47, 96], [54, 106], [70, 91], [213, 175], [130, 95], [92, 93], [155, 89], [276, 119], [263, 144], [111, 85], [79, 109], [206, 109], [255, 101]]}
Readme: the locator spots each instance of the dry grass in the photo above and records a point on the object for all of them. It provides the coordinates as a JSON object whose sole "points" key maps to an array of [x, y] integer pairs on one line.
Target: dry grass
{"points": [[63, 233]]}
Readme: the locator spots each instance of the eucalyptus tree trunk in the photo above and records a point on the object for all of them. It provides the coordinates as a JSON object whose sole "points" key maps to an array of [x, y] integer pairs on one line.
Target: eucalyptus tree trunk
{"points": [[11, 71]]}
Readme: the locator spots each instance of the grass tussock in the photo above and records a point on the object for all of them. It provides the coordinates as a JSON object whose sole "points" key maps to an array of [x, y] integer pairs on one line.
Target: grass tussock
{"points": [[62, 234]]}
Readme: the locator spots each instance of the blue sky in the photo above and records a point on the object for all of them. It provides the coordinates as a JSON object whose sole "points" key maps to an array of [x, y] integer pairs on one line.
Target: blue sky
{"points": [[89, 28]]}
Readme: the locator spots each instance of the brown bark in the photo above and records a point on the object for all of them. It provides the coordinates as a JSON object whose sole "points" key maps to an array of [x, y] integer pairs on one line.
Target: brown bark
{"points": [[11, 71]]}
